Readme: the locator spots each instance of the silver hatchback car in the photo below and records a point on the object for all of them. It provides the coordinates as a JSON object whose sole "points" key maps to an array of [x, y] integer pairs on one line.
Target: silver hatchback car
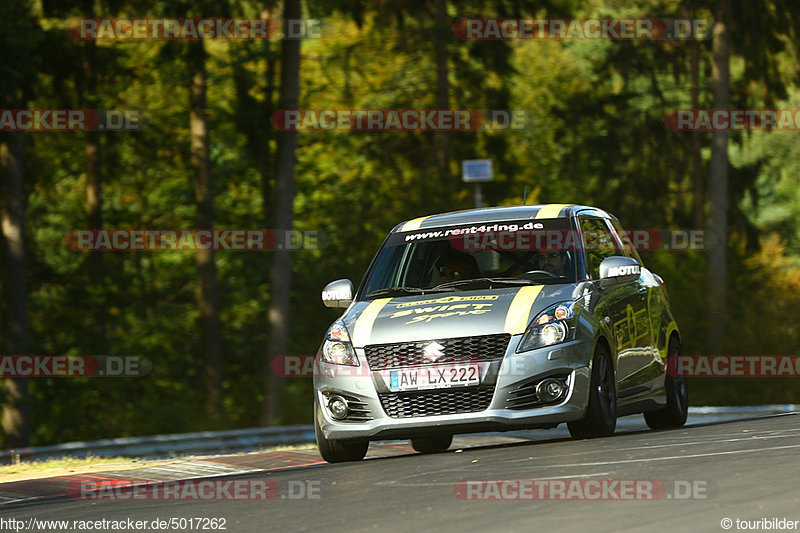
{"points": [[496, 319]]}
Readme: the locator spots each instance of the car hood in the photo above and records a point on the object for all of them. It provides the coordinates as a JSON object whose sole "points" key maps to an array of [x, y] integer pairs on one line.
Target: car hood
{"points": [[457, 314]]}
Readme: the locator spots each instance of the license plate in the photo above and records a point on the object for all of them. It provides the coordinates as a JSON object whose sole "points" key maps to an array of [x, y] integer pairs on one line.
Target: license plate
{"points": [[434, 377]]}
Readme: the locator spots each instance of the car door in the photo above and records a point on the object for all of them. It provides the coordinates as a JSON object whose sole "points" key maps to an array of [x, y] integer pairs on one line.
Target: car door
{"points": [[622, 302], [649, 364]]}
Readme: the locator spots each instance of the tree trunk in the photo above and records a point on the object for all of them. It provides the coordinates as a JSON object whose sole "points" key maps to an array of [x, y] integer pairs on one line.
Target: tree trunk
{"points": [[253, 120], [697, 165], [266, 174], [15, 416], [208, 298], [283, 209], [442, 138], [94, 204], [717, 265]]}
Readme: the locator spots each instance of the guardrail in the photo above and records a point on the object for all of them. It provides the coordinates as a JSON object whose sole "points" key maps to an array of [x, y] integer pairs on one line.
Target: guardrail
{"points": [[207, 442], [167, 445]]}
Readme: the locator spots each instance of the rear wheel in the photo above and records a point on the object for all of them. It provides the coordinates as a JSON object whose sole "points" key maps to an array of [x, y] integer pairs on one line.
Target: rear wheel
{"points": [[601, 414], [338, 450], [432, 444], [674, 414]]}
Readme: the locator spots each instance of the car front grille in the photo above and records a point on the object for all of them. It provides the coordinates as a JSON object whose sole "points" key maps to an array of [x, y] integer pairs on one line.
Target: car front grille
{"points": [[456, 350], [359, 410], [523, 397], [439, 402]]}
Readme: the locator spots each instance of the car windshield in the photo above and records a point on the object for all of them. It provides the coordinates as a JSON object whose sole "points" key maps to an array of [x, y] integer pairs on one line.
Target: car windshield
{"points": [[474, 256]]}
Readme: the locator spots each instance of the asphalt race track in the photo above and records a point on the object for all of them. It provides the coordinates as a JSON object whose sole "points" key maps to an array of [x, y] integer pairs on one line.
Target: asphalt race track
{"points": [[685, 480]]}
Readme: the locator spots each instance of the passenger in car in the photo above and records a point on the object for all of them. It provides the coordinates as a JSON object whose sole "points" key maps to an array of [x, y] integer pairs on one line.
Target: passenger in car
{"points": [[457, 266]]}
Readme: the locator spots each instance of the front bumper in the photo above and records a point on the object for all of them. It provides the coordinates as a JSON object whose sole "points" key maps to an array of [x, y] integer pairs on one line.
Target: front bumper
{"points": [[571, 360]]}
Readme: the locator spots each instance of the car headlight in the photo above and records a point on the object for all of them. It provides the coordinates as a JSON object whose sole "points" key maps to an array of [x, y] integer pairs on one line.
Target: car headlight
{"points": [[551, 326], [337, 348]]}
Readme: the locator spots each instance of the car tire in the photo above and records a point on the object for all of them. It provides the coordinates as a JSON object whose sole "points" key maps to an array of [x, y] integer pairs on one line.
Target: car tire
{"points": [[675, 413], [432, 444], [338, 450], [601, 413]]}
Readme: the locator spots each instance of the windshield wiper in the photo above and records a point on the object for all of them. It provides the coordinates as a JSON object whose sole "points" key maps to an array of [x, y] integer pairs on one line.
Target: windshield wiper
{"points": [[484, 282], [404, 291]]}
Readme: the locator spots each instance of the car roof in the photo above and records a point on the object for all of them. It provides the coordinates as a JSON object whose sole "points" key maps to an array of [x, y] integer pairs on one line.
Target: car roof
{"points": [[498, 214]]}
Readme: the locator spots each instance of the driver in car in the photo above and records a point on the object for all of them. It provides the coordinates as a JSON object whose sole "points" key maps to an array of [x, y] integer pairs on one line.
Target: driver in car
{"points": [[552, 261]]}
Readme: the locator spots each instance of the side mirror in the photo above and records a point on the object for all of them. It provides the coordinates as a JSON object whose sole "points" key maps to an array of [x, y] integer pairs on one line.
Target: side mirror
{"points": [[338, 293], [619, 269]]}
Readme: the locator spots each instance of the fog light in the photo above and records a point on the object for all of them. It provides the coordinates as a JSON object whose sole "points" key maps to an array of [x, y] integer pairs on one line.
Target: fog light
{"points": [[338, 407], [550, 389]]}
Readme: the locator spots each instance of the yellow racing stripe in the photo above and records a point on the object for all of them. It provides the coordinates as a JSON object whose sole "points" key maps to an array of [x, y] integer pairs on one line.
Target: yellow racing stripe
{"points": [[362, 332], [550, 211], [414, 224], [520, 309]]}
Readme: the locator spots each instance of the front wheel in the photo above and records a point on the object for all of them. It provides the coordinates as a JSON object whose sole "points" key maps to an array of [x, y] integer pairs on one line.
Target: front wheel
{"points": [[432, 444], [675, 413], [338, 450], [601, 413]]}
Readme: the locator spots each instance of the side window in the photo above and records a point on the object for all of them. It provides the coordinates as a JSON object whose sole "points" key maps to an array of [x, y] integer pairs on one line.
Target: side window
{"points": [[598, 243], [627, 246], [384, 273], [420, 268]]}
